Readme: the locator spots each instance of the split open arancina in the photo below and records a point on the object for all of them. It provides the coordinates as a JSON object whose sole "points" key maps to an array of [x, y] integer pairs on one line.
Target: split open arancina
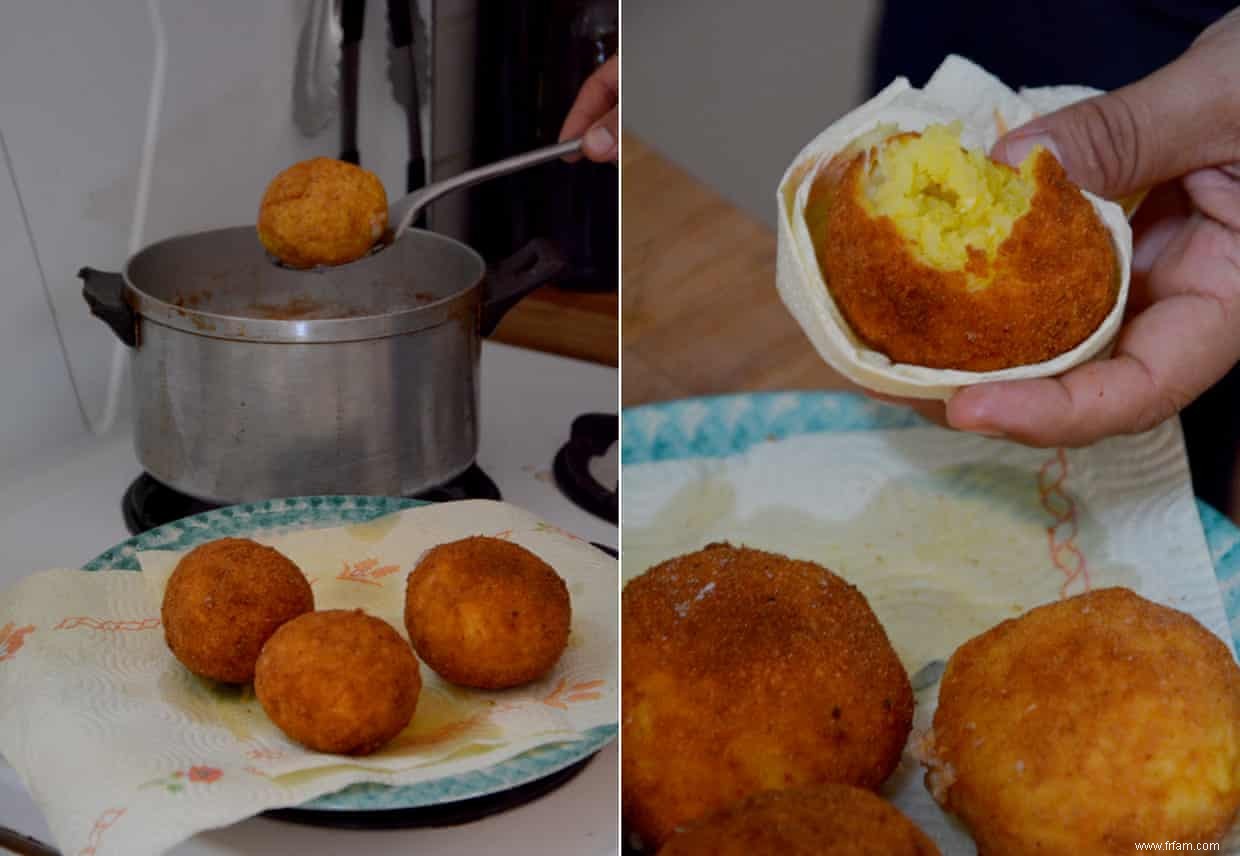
{"points": [[939, 257]]}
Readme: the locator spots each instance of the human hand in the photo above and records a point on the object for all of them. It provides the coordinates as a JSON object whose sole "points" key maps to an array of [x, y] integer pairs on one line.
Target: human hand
{"points": [[1177, 131], [596, 114]]}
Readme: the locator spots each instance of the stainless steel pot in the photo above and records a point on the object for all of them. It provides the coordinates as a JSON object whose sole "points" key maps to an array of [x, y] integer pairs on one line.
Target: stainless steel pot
{"points": [[252, 381]]}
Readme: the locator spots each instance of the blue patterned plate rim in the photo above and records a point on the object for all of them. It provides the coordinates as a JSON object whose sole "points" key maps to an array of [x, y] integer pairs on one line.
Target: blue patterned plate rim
{"points": [[722, 425], [302, 512]]}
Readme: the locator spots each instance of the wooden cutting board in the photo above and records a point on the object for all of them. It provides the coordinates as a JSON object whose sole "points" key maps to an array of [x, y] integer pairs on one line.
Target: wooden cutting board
{"points": [[580, 324], [699, 309]]}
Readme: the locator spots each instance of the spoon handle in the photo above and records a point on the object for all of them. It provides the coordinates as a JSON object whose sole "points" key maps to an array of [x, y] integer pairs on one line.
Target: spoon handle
{"points": [[405, 209]]}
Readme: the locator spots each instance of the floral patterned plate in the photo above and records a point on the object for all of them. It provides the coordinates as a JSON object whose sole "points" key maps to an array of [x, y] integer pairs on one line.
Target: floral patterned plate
{"points": [[517, 777]]}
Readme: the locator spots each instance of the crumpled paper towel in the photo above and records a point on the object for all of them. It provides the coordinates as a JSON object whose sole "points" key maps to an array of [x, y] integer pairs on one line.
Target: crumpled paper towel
{"points": [[946, 534], [958, 90], [126, 752]]}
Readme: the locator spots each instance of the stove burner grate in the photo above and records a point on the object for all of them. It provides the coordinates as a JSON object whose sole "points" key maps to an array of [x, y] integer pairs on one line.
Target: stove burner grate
{"points": [[592, 435], [149, 503]]}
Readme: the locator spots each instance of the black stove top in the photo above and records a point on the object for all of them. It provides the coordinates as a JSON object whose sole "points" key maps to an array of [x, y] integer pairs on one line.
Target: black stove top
{"points": [[149, 503]]}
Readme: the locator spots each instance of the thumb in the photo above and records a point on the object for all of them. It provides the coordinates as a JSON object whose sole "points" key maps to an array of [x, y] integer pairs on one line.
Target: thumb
{"points": [[1160, 127]]}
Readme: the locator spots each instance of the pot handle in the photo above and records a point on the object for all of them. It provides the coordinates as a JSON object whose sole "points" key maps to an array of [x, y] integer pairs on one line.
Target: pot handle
{"points": [[535, 264], [105, 294]]}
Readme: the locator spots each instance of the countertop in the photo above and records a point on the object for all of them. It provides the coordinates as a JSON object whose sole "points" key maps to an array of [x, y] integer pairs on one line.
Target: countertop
{"points": [[580, 324], [699, 308]]}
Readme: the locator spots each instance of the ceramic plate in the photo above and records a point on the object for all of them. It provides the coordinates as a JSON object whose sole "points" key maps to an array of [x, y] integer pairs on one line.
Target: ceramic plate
{"points": [[728, 425], [274, 516]]}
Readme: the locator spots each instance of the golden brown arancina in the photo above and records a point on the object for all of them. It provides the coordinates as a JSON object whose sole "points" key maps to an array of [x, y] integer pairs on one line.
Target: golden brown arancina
{"points": [[322, 212], [487, 613], [823, 820], [746, 671], [1050, 283], [224, 600], [1086, 726], [338, 681]]}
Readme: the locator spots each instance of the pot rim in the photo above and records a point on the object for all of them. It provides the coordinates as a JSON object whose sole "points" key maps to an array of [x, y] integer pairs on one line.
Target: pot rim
{"points": [[242, 328]]}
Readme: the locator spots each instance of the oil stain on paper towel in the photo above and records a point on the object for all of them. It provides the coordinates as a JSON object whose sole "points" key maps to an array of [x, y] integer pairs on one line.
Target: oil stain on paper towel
{"points": [[941, 556]]}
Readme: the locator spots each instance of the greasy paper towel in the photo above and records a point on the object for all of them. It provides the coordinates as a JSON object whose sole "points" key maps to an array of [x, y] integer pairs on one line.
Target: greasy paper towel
{"points": [[945, 533], [126, 752], [958, 90]]}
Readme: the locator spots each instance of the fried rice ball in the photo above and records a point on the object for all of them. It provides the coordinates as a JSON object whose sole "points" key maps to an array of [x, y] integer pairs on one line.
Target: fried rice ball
{"points": [[747, 671], [224, 600], [338, 681], [824, 820], [937, 256], [1086, 726], [487, 613], [322, 212]]}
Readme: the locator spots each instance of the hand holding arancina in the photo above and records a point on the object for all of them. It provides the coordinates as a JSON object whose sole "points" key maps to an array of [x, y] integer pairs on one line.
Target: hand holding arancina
{"points": [[1178, 132]]}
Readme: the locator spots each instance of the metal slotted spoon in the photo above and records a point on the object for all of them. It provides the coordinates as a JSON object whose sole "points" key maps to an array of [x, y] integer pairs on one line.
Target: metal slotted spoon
{"points": [[403, 211]]}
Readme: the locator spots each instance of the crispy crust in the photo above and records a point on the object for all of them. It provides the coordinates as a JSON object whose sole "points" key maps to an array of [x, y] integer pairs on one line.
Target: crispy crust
{"points": [[1055, 278], [825, 820], [1087, 725], [322, 212], [338, 681], [224, 600], [487, 613], [746, 671]]}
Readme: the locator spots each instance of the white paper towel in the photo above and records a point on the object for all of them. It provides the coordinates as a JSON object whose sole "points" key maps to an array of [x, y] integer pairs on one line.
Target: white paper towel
{"points": [[958, 91]]}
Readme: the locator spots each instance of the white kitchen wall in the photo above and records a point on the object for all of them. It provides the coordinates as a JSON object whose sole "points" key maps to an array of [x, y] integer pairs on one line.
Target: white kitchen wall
{"points": [[38, 408], [76, 83]]}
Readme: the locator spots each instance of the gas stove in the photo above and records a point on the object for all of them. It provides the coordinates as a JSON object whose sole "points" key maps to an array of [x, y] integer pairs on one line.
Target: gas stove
{"points": [[149, 503], [66, 508]]}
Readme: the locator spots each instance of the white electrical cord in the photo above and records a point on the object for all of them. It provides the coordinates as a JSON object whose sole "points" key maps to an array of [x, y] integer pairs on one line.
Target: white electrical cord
{"points": [[120, 351]]}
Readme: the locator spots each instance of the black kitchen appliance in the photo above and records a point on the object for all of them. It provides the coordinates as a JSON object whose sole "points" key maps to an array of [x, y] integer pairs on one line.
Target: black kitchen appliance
{"points": [[532, 58]]}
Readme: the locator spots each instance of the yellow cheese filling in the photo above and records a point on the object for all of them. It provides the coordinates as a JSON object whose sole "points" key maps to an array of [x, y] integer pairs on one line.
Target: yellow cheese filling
{"points": [[953, 207]]}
